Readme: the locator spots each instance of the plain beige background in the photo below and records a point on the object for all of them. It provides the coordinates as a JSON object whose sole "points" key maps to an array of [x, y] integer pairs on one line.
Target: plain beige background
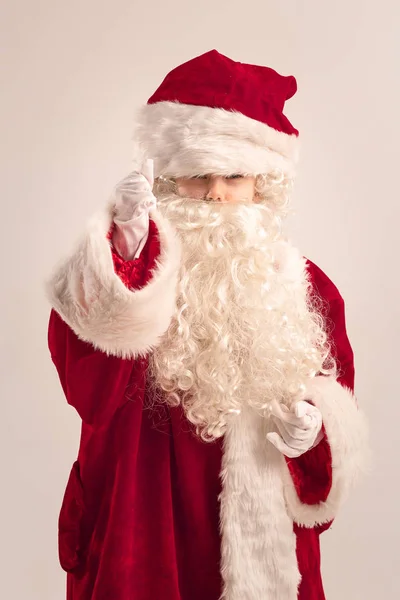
{"points": [[73, 74]]}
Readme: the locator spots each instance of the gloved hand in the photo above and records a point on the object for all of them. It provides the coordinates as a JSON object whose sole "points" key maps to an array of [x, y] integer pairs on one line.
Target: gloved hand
{"points": [[300, 429], [134, 199]]}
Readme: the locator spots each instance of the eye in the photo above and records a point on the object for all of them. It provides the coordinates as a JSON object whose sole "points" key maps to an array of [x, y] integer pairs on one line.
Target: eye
{"points": [[235, 176]]}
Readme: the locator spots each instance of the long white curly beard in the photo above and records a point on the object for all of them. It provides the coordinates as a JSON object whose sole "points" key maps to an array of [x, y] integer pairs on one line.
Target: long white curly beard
{"points": [[244, 331]]}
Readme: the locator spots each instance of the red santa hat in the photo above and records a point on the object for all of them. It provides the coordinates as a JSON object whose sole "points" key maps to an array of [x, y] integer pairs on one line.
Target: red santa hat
{"points": [[215, 115]]}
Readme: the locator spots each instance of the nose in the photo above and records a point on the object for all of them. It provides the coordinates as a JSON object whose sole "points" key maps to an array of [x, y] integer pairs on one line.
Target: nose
{"points": [[216, 190]]}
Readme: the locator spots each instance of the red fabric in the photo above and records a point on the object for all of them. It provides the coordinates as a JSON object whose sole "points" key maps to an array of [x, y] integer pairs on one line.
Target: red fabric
{"points": [[316, 464], [312, 472], [217, 81], [140, 515]]}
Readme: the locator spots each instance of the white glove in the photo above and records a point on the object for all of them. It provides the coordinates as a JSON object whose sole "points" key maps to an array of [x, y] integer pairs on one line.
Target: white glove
{"points": [[134, 199], [300, 429]]}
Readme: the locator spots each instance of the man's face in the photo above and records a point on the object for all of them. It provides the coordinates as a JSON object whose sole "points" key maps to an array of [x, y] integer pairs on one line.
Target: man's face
{"points": [[216, 188]]}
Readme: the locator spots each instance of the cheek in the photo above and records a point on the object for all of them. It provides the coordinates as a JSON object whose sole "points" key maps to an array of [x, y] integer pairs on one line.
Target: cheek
{"points": [[191, 189], [252, 190], [246, 191]]}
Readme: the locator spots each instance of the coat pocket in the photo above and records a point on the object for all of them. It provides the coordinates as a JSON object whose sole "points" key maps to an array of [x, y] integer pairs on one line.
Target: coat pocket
{"points": [[70, 522]]}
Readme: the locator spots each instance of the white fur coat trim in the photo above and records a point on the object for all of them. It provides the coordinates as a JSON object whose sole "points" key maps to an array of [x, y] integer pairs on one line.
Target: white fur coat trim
{"points": [[258, 542], [186, 140], [96, 304], [347, 434]]}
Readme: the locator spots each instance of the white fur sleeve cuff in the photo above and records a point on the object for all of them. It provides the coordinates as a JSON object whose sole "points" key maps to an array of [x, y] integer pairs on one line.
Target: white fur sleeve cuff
{"points": [[95, 303], [347, 434]]}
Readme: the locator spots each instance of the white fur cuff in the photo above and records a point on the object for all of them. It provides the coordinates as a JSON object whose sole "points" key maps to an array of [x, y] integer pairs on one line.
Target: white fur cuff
{"points": [[347, 434], [96, 304]]}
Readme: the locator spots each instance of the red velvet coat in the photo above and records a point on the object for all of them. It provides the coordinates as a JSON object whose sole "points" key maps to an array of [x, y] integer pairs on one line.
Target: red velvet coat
{"points": [[140, 519]]}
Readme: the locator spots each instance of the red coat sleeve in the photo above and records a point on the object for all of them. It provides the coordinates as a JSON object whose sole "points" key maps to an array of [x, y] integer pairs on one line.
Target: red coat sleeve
{"points": [[100, 329], [94, 383], [312, 472], [122, 308]]}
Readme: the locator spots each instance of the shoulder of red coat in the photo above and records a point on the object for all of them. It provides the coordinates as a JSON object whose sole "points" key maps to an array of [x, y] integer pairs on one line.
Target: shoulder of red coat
{"points": [[321, 283]]}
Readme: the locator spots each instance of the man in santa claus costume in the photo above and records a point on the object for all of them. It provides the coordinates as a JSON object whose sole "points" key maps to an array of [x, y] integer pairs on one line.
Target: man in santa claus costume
{"points": [[207, 359]]}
